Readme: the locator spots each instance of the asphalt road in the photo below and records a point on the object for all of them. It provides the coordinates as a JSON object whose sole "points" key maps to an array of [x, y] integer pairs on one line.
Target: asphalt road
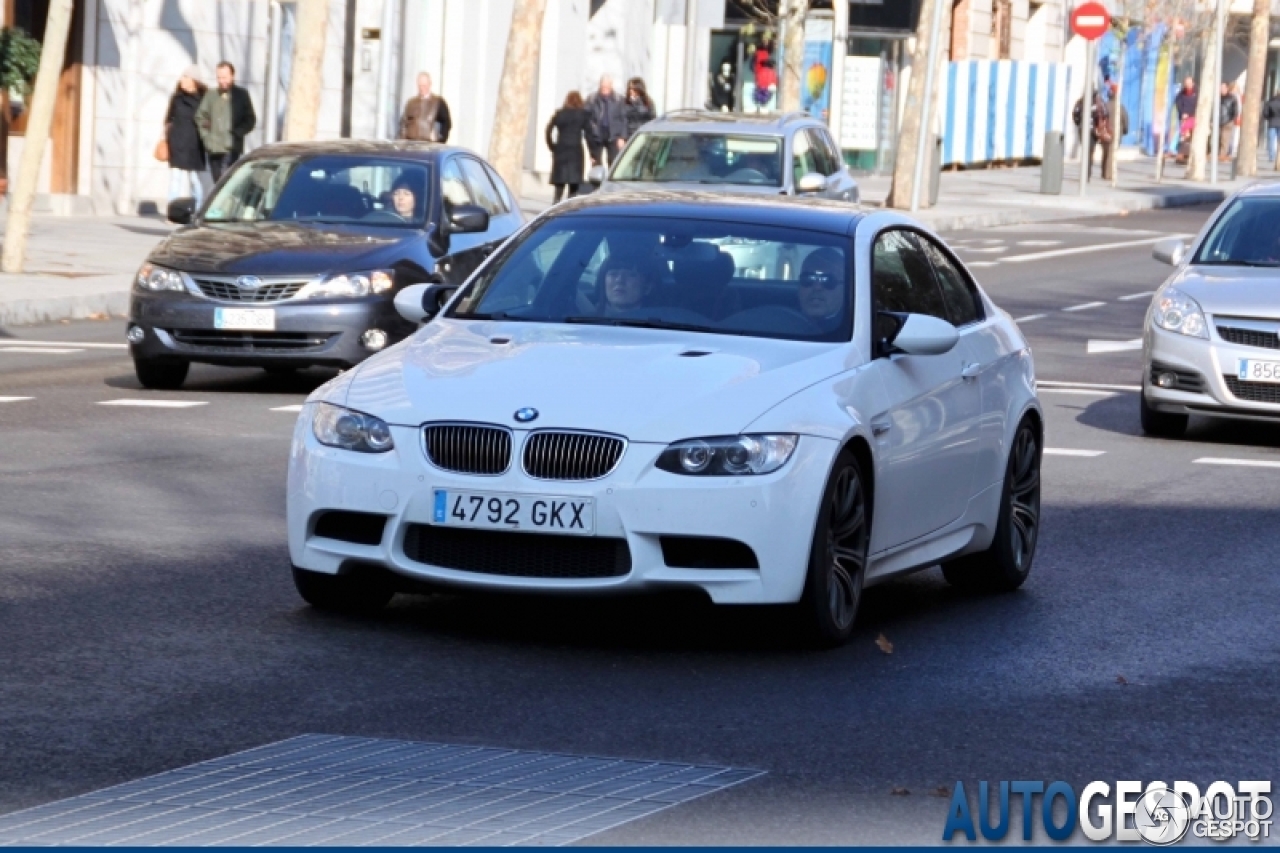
{"points": [[147, 618]]}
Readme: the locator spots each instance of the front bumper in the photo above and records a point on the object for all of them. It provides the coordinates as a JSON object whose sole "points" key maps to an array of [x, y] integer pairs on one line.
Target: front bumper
{"points": [[638, 504], [325, 332], [1207, 377]]}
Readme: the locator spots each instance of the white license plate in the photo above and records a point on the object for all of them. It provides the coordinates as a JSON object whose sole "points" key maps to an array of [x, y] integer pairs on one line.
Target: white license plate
{"points": [[247, 319], [1253, 370], [497, 511]]}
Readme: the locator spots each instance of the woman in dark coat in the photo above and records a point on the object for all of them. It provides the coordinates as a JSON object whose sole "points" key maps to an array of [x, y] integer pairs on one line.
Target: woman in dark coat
{"points": [[565, 137], [186, 152], [638, 106]]}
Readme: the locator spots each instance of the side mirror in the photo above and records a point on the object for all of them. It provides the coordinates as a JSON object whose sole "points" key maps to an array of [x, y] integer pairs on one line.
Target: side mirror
{"points": [[468, 219], [418, 303], [181, 211], [1170, 251], [920, 334], [811, 183]]}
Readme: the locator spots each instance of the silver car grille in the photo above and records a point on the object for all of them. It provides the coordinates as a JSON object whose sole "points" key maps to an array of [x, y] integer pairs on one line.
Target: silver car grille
{"points": [[468, 448], [1250, 333], [552, 455], [225, 289]]}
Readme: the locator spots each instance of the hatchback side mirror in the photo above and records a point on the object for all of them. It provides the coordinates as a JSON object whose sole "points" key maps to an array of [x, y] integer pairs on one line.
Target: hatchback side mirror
{"points": [[181, 211], [812, 182], [920, 334], [468, 219], [418, 303], [1170, 251]]}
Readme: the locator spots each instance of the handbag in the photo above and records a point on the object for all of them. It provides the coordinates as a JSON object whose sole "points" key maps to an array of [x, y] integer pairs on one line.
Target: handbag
{"points": [[162, 150], [596, 174]]}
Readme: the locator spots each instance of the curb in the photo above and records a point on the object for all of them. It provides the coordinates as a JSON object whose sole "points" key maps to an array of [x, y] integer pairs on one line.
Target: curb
{"points": [[1023, 216], [30, 312]]}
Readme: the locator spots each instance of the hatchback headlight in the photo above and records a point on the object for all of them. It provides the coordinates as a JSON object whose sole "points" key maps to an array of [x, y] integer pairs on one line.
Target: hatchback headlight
{"points": [[152, 277], [335, 426], [728, 455], [1177, 312], [352, 284]]}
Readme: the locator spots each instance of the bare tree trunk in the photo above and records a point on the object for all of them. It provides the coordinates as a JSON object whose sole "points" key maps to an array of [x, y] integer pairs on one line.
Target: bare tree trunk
{"points": [[914, 120], [1206, 102], [303, 108], [52, 53], [1251, 107], [1117, 110], [515, 98], [792, 55]]}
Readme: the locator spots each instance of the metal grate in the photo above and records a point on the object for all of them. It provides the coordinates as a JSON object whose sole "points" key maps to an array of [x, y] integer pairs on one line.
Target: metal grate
{"points": [[468, 448], [321, 790], [519, 555], [271, 290], [1254, 392], [1249, 337], [571, 455], [222, 339]]}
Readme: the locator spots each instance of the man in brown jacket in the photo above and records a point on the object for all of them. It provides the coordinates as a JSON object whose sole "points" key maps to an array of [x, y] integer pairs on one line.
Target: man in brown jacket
{"points": [[426, 116]]}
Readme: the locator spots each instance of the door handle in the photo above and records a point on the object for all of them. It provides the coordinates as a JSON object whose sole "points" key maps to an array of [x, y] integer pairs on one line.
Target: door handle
{"points": [[880, 426], [970, 371]]}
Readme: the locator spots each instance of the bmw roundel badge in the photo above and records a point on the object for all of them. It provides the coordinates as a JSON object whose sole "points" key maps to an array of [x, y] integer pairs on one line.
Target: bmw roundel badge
{"points": [[526, 414]]}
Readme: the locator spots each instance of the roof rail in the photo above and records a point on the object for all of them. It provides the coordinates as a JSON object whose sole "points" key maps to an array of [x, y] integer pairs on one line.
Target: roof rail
{"points": [[683, 111]]}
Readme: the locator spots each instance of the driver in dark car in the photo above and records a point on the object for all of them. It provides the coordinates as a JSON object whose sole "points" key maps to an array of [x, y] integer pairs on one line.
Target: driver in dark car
{"points": [[404, 199], [627, 282], [821, 287]]}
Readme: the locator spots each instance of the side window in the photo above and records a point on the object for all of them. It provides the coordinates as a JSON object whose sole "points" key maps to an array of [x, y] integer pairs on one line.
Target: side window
{"points": [[961, 297], [498, 185], [802, 159], [902, 281], [451, 184], [486, 195], [821, 153]]}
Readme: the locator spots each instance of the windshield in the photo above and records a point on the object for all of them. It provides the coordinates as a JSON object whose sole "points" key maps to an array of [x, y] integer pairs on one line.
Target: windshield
{"points": [[706, 158], [1246, 234], [718, 277], [333, 188]]}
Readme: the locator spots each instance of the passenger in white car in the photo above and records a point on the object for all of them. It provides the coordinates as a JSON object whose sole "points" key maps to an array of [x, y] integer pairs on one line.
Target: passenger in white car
{"points": [[822, 287]]}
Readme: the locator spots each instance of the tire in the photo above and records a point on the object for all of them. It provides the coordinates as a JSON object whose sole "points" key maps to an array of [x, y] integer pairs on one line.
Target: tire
{"points": [[161, 375], [1160, 424], [1004, 566], [838, 556], [361, 593]]}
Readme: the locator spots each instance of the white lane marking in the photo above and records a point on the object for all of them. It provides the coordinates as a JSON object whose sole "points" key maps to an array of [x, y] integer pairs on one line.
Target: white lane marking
{"points": [[297, 408], [1039, 242], [1092, 392], [1141, 295], [40, 350], [1244, 463], [14, 399], [981, 263], [1097, 347], [1054, 383], [155, 404], [1080, 250], [26, 343], [989, 249], [1085, 306], [1071, 451], [1030, 317]]}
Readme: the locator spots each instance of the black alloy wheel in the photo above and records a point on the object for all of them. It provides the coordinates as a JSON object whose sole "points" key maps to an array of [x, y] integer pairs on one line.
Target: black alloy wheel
{"points": [[1005, 565], [161, 374], [838, 555], [1160, 424], [358, 593]]}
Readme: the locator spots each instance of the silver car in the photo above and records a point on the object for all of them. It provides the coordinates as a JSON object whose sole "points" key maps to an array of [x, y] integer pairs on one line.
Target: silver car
{"points": [[1211, 341], [790, 154]]}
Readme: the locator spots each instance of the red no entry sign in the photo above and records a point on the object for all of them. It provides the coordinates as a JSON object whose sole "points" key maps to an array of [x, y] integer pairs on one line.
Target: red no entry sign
{"points": [[1090, 21]]}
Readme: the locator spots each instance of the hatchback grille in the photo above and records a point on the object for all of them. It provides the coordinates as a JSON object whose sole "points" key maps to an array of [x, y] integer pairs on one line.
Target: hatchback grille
{"points": [[571, 455], [1254, 392], [522, 555], [222, 339], [271, 290], [468, 448], [1249, 337]]}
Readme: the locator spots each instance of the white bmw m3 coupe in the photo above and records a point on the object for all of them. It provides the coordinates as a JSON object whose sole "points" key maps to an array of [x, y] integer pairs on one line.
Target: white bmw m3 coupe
{"points": [[775, 402]]}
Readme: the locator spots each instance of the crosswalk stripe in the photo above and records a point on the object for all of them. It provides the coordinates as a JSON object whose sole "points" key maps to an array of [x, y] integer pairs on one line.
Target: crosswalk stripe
{"points": [[1030, 317], [82, 345], [14, 399], [1092, 392], [1071, 451], [1133, 296], [1243, 463], [40, 350], [1085, 307], [297, 408], [1057, 383], [1098, 347], [155, 404]]}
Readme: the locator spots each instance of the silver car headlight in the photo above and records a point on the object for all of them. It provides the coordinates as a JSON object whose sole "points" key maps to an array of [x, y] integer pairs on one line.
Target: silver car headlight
{"points": [[335, 426], [1174, 311], [728, 455], [152, 277], [351, 284]]}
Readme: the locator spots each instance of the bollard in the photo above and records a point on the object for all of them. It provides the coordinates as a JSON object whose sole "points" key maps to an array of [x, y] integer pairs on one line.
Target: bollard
{"points": [[935, 170], [1051, 163]]}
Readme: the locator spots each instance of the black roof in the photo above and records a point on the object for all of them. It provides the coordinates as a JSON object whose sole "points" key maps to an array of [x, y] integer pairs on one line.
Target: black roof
{"points": [[811, 214], [400, 148]]}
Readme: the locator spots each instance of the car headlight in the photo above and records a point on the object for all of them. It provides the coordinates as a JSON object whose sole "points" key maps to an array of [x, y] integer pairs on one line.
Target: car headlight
{"points": [[728, 455], [152, 277], [352, 284], [1177, 312], [335, 426]]}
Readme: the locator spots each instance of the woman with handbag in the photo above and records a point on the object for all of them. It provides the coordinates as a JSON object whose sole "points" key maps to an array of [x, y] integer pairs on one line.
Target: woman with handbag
{"points": [[181, 145], [565, 135]]}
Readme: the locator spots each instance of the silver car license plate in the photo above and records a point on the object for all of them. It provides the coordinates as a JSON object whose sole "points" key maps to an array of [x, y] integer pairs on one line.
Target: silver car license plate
{"points": [[1255, 370], [500, 511]]}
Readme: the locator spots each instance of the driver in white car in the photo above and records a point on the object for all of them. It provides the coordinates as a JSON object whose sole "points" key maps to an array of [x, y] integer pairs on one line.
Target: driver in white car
{"points": [[821, 287], [628, 281]]}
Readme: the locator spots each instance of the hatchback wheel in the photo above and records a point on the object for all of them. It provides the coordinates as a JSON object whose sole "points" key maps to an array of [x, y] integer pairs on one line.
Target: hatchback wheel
{"points": [[1005, 565], [838, 556], [358, 593], [1160, 424], [161, 375]]}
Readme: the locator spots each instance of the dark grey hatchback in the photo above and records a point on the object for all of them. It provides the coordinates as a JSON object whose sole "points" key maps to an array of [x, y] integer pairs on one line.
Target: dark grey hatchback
{"points": [[297, 256]]}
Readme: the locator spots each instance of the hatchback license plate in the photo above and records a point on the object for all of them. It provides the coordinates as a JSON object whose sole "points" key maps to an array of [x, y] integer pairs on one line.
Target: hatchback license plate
{"points": [[1253, 370], [246, 319], [498, 511]]}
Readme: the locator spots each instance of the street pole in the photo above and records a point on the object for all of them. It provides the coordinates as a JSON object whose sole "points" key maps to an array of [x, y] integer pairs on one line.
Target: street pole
{"points": [[1086, 116], [690, 52], [1215, 129], [926, 106], [386, 61], [839, 45], [271, 128]]}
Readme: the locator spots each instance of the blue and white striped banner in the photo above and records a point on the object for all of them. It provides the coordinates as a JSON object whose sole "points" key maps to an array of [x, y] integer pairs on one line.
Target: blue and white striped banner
{"points": [[995, 111]]}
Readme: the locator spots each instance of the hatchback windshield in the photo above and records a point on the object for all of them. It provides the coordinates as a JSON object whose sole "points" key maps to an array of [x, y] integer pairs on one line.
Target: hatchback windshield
{"points": [[725, 278], [1247, 234], [334, 188], [704, 158]]}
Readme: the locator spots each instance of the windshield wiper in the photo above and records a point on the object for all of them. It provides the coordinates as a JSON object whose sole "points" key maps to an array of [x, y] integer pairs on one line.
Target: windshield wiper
{"points": [[636, 324], [495, 315]]}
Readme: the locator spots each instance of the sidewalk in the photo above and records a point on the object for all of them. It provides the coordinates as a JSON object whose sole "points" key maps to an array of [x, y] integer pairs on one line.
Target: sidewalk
{"points": [[79, 267]]}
